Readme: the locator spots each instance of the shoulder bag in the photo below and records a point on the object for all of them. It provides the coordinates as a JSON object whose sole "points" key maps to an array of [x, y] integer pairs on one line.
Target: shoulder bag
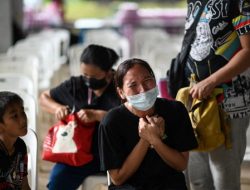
{"points": [[208, 119], [69, 141], [175, 74]]}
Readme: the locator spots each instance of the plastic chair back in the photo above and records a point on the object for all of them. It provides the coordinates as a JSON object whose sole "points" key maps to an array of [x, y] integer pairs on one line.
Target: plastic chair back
{"points": [[31, 142]]}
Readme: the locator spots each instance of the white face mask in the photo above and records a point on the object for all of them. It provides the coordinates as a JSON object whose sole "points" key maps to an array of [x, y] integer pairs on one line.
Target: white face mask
{"points": [[143, 101]]}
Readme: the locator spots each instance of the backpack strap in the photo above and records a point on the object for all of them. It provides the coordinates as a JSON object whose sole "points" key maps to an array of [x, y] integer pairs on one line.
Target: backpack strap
{"points": [[190, 35]]}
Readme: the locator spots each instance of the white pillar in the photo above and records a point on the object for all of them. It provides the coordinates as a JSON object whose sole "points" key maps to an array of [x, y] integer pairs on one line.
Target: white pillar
{"points": [[5, 25]]}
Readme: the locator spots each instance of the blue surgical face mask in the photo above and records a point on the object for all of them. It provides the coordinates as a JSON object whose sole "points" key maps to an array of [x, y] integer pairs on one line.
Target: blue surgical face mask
{"points": [[143, 101]]}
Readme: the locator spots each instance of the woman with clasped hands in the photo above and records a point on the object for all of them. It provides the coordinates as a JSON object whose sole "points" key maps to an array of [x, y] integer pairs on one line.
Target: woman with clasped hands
{"points": [[144, 142]]}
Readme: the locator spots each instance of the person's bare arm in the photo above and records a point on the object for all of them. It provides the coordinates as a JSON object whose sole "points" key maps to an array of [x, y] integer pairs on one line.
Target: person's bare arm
{"points": [[175, 159], [131, 164], [51, 106], [25, 185], [90, 115], [239, 63]]}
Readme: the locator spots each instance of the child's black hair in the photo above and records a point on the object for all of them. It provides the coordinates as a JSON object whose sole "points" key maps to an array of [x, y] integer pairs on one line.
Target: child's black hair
{"points": [[7, 99]]}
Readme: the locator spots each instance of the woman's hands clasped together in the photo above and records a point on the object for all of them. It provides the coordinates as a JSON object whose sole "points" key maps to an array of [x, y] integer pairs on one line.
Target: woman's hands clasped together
{"points": [[151, 129]]}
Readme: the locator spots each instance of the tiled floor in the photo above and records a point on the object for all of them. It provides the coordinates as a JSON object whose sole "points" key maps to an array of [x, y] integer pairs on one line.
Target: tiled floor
{"points": [[45, 120]]}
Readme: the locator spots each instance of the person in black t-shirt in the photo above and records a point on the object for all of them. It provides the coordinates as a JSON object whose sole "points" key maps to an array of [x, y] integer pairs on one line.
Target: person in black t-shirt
{"points": [[91, 95], [144, 142], [13, 152]]}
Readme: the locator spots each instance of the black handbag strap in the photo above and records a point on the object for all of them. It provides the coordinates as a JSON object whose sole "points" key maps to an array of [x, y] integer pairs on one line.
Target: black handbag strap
{"points": [[73, 109], [74, 95], [190, 35]]}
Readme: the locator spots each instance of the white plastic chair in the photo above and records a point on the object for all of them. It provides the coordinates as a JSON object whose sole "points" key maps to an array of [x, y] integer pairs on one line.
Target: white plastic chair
{"points": [[43, 50], [160, 62], [92, 181], [64, 36], [21, 65], [31, 142], [111, 39], [31, 109], [142, 37], [109, 178], [100, 35], [54, 47], [62, 39], [75, 52], [59, 39], [16, 81]]}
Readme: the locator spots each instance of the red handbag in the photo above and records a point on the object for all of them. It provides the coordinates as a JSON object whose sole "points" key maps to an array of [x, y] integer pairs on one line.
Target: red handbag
{"points": [[69, 141]]}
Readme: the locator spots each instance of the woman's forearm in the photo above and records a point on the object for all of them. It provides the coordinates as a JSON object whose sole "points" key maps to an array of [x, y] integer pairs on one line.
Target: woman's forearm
{"points": [[99, 114], [47, 103], [131, 164], [238, 64], [175, 159]]}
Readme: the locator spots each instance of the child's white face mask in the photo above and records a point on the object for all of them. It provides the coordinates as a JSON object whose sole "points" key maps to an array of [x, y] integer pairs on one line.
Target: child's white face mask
{"points": [[143, 101]]}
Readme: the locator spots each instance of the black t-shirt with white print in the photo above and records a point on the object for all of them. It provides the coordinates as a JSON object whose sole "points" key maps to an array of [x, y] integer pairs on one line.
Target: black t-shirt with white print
{"points": [[217, 40], [13, 168]]}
